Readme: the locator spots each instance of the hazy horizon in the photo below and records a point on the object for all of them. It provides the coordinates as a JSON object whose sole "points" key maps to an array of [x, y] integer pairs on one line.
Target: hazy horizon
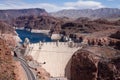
{"points": [[54, 5]]}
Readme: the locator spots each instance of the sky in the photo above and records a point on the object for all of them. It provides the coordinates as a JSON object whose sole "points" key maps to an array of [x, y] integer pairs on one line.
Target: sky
{"points": [[56, 5]]}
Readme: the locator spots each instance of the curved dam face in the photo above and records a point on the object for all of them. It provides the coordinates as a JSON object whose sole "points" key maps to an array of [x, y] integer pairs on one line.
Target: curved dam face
{"points": [[56, 56]]}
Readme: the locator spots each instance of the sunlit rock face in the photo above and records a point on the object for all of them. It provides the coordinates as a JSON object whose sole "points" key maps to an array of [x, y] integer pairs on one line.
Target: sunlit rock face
{"points": [[96, 41], [95, 63], [6, 62], [7, 32]]}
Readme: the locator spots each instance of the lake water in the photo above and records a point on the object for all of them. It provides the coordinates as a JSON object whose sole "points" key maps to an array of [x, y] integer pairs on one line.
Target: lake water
{"points": [[33, 37]]}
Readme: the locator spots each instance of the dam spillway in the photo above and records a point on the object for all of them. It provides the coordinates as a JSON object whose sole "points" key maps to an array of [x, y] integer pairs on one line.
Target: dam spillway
{"points": [[56, 55]]}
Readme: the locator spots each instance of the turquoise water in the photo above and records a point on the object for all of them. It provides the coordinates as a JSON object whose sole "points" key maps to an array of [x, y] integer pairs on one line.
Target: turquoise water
{"points": [[33, 37]]}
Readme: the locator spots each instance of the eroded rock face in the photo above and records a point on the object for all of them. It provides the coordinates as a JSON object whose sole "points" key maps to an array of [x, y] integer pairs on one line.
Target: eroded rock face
{"points": [[96, 41], [84, 27], [19, 71], [103, 38], [9, 15], [36, 22], [6, 63], [9, 68], [95, 63], [6, 28], [83, 67], [42, 74], [109, 70], [7, 32], [115, 43], [115, 40]]}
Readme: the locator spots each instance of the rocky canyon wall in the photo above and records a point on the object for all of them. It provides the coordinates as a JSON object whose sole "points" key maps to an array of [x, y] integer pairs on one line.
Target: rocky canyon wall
{"points": [[95, 63]]}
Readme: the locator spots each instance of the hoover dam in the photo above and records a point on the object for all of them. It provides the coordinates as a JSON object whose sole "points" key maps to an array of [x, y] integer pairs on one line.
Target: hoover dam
{"points": [[56, 55]]}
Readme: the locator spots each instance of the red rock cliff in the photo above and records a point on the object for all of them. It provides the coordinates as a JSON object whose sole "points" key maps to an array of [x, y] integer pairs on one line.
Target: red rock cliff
{"points": [[95, 63]]}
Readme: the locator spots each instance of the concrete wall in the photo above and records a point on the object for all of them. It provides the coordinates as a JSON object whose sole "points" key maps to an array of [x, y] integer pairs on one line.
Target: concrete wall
{"points": [[56, 55]]}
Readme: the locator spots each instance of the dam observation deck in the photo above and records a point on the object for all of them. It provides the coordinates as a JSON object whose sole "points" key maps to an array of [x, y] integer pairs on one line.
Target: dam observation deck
{"points": [[56, 55]]}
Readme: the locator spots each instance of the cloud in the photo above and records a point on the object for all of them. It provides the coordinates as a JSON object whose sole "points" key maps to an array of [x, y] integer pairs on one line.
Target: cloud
{"points": [[80, 4], [85, 4]]}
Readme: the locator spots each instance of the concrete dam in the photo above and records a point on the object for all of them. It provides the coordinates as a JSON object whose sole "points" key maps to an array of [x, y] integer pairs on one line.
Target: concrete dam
{"points": [[56, 55]]}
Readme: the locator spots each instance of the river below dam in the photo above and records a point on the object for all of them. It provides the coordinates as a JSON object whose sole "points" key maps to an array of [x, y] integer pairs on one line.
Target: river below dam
{"points": [[33, 37]]}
